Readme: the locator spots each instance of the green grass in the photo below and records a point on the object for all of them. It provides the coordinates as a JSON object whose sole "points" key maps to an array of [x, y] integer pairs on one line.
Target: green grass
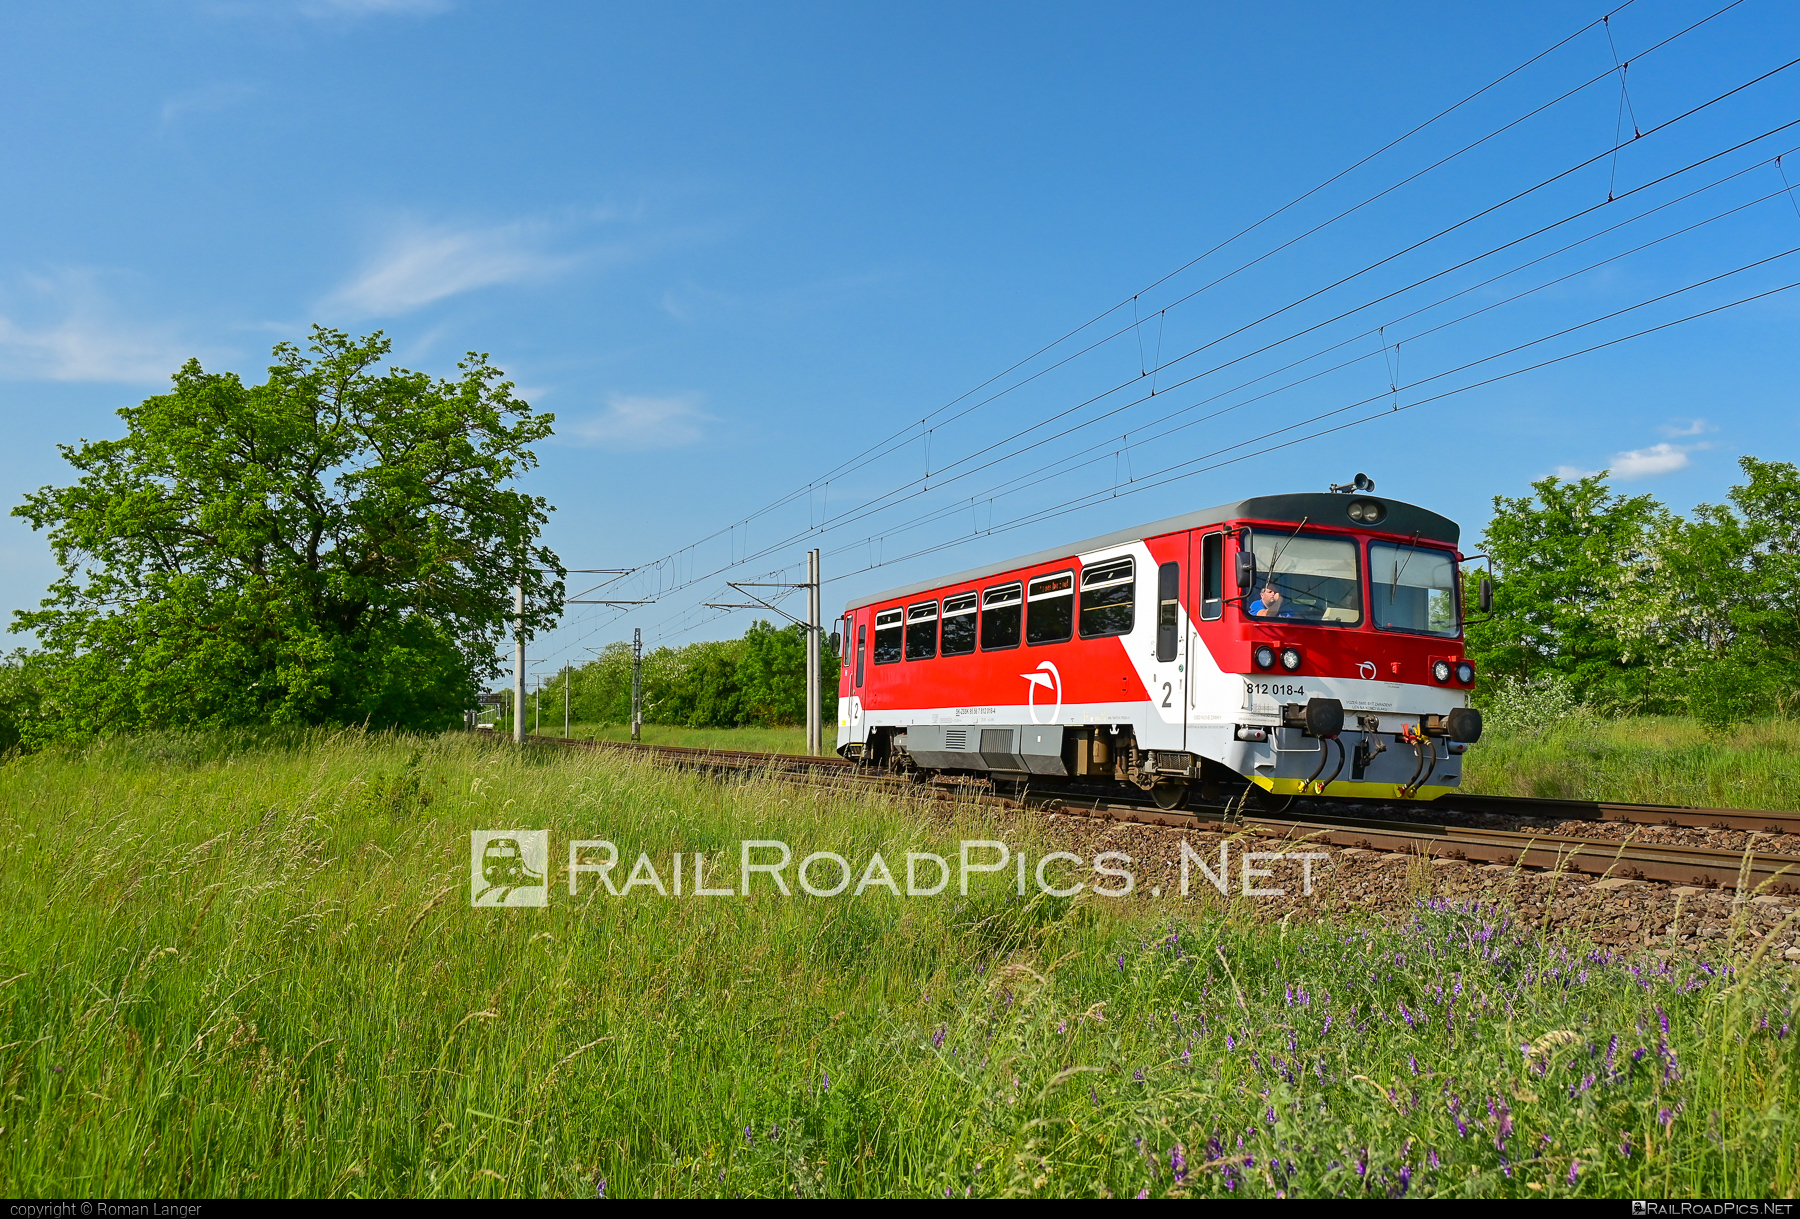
{"points": [[755, 740], [1648, 760], [243, 965]]}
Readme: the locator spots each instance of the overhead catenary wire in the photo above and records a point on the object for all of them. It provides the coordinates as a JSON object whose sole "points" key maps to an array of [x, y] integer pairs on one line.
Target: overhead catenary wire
{"points": [[914, 487], [1146, 439], [1062, 464], [1195, 466], [939, 476], [881, 447], [1385, 413]]}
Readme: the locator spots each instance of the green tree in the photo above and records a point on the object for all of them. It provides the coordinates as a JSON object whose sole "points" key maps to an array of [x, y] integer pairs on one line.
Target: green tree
{"points": [[336, 544], [759, 679], [1714, 600], [23, 676], [1558, 555]]}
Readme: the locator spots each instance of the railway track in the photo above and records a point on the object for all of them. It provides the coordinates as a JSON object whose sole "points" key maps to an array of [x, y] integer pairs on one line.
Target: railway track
{"points": [[1704, 867]]}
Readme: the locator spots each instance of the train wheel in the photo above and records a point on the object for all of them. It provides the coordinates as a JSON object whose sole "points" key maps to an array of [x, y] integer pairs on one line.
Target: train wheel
{"points": [[1169, 796]]}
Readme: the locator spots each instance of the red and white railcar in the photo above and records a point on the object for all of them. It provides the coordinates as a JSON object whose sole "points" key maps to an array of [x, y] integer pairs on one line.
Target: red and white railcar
{"points": [[1305, 643]]}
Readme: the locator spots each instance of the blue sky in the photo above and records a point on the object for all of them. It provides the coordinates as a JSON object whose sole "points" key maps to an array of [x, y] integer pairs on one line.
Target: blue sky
{"points": [[731, 247]]}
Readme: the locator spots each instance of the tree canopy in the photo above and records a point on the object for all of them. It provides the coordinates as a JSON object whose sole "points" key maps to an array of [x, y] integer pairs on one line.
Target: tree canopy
{"points": [[336, 544], [759, 679], [1635, 608]]}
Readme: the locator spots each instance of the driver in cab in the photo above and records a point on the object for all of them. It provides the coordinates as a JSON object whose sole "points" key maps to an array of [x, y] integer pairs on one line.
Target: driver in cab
{"points": [[1270, 604]]}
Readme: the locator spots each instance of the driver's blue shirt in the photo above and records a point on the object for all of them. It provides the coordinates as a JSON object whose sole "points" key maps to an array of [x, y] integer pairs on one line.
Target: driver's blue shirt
{"points": [[1256, 608]]}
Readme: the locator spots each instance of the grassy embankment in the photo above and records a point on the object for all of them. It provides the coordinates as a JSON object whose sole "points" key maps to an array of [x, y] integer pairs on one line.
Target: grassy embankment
{"points": [[232, 967], [755, 740], [1647, 760]]}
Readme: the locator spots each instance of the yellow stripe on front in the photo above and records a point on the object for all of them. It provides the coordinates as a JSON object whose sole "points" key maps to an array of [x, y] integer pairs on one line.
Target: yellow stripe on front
{"points": [[1349, 787]]}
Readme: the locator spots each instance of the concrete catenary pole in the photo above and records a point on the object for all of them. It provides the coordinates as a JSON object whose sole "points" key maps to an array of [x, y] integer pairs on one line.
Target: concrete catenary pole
{"points": [[815, 728], [519, 663], [637, 683], [565, 699]]}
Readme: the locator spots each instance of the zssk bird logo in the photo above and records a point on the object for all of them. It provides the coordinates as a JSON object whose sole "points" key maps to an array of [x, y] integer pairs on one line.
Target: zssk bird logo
{"points": [[1047, 677]]}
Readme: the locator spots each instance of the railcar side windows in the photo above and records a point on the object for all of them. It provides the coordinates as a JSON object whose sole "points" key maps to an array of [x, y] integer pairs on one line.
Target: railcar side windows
{"points": [[862, 640], [890, 625], [1050, 613], [1000, 612], [1108, 598], [1168, 612], [1212, 576], [921, 630], [959, 624]]}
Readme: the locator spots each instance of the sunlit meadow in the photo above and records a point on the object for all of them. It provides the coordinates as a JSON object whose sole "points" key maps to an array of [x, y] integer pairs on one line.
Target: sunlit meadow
{"points": [[246, 965]]}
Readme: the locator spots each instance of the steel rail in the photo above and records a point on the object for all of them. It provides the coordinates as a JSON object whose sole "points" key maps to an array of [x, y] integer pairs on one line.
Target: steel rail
{"points": [[1756, 820], [1708, 867]]}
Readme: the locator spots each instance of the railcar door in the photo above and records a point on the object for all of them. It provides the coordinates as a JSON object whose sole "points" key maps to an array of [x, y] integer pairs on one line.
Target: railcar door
{"points": [[1205, 622], [1168, 689]]}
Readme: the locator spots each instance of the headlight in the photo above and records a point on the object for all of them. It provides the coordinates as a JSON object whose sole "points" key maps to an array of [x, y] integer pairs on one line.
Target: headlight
{"points": [[1465, 672], [1366, 511], [1264, 656], [1290, 659], [1440, 670]]}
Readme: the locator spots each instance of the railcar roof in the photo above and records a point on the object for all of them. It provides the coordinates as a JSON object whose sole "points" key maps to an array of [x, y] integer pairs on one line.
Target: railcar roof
{"points": [[1313, 507]]}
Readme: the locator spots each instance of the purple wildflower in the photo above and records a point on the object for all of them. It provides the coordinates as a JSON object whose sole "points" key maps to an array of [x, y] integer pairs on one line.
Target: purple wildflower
{"points": [[1405, 1177], [1665, 1118], [600, 1188], [1187, 1058], [1121, 962], [1178, 1163], [1230, 1042], [1431, 1157], [1143, 1193], [937, 1038], [1574, 1170], [1662, 1018]]}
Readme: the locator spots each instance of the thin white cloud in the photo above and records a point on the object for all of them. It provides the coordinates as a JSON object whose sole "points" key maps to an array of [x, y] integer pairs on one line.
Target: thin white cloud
{"points": [[374, 8], [1664, 458], [1675, 429], [1573, 473], [425, 263], [74, 334], [204, 100], [636, 421]]}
